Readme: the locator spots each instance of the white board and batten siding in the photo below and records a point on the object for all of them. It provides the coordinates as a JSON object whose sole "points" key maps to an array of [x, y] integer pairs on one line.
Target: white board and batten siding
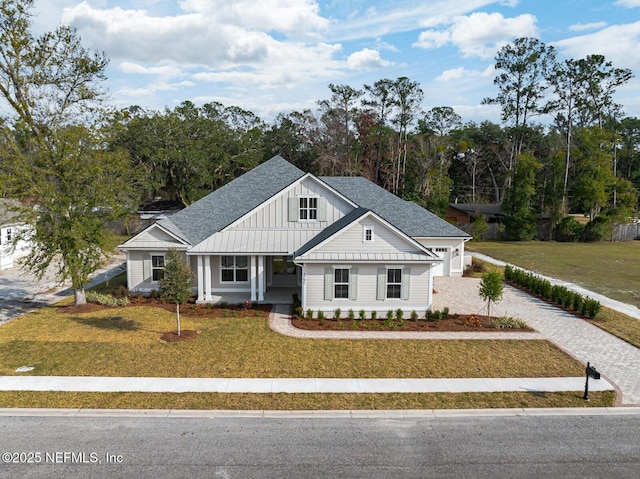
{"points": [[277, 212], [366, 291]]}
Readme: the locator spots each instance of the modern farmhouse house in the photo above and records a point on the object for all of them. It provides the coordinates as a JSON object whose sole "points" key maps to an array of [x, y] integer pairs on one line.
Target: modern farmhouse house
{"points": [[338, 242]]}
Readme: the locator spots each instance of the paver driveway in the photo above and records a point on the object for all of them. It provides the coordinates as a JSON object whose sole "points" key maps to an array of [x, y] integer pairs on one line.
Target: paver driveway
{"points": [[614, 358]]}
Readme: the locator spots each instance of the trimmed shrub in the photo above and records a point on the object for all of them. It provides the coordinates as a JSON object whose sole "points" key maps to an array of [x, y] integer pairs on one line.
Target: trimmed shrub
{"points": [[568, 230], [598, 229], [508, 322], [107, 300], [362, 314]]}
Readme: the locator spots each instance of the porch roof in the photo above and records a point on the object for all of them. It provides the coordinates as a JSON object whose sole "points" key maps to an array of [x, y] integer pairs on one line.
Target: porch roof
{"points": [[377, 257], [247, 241]]}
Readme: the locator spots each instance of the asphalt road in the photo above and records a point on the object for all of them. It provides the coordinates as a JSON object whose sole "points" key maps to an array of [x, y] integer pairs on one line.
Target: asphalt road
{"points": [[321, 447]]}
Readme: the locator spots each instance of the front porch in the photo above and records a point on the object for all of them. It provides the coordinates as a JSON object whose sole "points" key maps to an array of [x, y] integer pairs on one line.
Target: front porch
{"points": [[274, 295]]}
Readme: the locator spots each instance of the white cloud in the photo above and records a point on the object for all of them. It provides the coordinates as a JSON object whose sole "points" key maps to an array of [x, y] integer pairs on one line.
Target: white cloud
{"points": [[153, 88], [580, 27], [618, 43], [366, 59], [293, 17], [164, 71], [628, 3], [479, 34], [458, 73]]}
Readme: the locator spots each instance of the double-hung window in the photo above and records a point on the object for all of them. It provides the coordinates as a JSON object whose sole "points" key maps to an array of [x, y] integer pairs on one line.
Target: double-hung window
{"points": [[367, 235], [341, 283], [308, 208], [234, 269], [157, 267], [394, 283]]}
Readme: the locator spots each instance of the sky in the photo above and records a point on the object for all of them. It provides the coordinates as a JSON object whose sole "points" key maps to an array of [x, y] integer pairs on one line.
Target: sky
{"points": [[278, 56]]}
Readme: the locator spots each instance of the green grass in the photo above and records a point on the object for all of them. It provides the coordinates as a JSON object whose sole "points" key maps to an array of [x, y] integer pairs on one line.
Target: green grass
{"points": [[304, 401], [608, 268]]}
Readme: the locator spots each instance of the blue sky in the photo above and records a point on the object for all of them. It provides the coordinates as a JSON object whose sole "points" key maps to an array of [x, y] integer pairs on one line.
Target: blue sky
{"points": [[271, 56]]}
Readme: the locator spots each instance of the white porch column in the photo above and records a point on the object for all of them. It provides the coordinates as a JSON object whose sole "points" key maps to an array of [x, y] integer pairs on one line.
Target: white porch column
{"points": [[261, 289], [303, 288], [207, 278], [252, 272], [200, 279]]}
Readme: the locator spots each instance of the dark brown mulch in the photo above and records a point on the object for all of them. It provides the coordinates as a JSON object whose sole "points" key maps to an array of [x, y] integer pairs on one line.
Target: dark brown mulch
{"points": [[185, 335], [454, 323]]}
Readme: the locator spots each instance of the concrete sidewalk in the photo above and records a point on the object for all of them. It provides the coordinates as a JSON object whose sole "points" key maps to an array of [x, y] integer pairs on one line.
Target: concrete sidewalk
{"points": [[296, 385]]}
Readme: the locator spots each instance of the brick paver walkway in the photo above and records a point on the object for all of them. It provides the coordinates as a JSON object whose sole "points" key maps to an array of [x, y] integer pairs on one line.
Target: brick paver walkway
{"points": [[614, 358]]}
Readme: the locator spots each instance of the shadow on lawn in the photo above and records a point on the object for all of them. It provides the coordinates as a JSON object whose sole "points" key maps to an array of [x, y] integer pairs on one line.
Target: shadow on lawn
{"points": [[114, 323]]}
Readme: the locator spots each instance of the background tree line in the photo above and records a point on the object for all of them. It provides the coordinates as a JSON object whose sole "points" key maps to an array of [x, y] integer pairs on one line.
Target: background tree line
{"points": [[585, 160]]}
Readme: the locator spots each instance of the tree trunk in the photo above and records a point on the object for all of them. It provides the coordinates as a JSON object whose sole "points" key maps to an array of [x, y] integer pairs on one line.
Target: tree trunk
{"points": [[178, 317], [79, 297]]}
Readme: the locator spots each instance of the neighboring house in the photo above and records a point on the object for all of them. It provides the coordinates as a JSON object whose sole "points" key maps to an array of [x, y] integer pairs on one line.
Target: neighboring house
{"points": [[12, 246], [465, 213], [338, 242], [159, 209]]}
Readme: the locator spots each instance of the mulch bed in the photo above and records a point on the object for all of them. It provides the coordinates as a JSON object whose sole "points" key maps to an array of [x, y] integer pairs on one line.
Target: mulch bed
{"points": [[458, 322], [185, 335]]}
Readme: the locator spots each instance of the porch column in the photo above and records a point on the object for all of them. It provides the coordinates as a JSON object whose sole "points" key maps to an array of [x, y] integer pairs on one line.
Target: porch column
{"points": [[207, 278], [261, 289], [252, 272], [200, 279]]}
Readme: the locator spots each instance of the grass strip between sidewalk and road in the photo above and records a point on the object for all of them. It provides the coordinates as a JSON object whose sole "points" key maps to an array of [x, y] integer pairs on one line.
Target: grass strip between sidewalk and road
{"points": [[233, 401]]}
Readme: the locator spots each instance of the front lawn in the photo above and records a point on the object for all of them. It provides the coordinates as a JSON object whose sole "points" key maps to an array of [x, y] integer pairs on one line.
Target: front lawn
{"points": [[125, 342]]}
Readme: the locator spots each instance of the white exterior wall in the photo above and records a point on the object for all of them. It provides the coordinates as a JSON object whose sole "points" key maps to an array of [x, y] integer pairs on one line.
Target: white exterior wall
{"points": [[352, 239], [9, 252], [456, 251], [367, 283], [136, 271], [275, 213]]}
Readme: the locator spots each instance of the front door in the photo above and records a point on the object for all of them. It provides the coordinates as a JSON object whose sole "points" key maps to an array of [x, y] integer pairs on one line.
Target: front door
{"points": [[283, 271]]}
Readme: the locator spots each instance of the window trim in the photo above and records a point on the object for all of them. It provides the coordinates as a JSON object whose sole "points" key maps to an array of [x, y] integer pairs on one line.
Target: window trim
{"points": [[342, 283], [234, 268], [395, 283], [365, 230], [155, 268]]}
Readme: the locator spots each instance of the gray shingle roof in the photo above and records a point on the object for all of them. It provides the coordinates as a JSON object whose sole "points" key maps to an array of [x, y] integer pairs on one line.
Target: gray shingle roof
{"points": [[228, 203], [408, 217]]}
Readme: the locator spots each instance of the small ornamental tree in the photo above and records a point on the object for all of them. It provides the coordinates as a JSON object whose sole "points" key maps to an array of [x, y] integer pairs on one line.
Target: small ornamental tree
{"points": [[491, 289], [176, 283]]}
